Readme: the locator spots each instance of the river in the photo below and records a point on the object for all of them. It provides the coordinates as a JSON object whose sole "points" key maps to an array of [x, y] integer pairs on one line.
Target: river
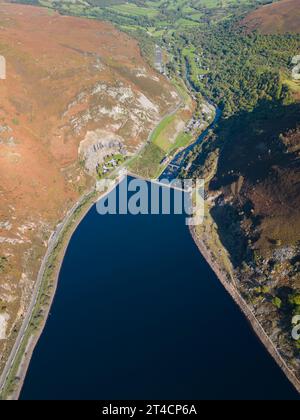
{"points": [[179, 161], [139, 314]]}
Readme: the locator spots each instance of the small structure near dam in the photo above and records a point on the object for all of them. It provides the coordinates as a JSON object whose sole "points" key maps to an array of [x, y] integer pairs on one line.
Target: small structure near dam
{"points": [[97, 146], [296, 68]]}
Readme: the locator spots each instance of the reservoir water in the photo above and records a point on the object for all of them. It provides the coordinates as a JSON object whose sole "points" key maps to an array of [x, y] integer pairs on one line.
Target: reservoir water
{"points": [[139, 314]]}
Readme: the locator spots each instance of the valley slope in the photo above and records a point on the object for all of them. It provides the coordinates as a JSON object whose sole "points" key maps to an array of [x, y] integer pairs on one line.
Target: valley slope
{"points": [[74, 91], [280, 17], [251, 163]]}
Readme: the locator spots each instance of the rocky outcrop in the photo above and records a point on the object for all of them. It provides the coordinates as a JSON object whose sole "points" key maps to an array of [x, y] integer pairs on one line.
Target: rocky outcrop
{"points": [[97, 145], [70, 84]]}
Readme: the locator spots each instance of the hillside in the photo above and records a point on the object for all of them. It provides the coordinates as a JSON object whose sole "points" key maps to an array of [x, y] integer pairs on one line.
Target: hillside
{"points": [[250, 160], [277, 18], [72, 85], [259, 169], [257, 214], [252, 227]]}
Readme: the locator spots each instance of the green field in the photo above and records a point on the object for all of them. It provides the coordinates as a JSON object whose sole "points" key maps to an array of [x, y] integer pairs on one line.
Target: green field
{"points": [[253, 147], [147, 164], [160, 16], [134, 10], [161, 128], [165, 140], [202, 46]]}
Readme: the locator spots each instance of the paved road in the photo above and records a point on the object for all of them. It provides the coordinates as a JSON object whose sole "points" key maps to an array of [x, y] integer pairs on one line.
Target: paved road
{"points": [[167, 115], [159, 65], [52, 242]]}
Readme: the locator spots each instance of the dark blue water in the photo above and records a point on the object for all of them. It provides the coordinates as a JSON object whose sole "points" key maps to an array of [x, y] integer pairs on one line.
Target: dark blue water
{"points": [[140, 315]]}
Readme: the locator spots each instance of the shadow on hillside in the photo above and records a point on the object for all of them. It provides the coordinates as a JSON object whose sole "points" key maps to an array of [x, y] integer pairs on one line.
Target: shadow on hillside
{"points": [[252, 150], [251, 143], [230, 233]]}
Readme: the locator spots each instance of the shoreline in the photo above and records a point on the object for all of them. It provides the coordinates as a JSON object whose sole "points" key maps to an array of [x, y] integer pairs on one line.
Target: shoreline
{"points": [[64, 231], [33, 339], [244, 308]]}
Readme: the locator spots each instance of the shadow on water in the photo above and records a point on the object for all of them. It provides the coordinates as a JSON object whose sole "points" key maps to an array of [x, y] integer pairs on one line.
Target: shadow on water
{"points": [[139, 314]]}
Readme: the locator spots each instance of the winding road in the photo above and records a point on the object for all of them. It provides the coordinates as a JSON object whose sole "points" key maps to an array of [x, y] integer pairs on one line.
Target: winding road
{"points": [[51, 245], [22, 332]]}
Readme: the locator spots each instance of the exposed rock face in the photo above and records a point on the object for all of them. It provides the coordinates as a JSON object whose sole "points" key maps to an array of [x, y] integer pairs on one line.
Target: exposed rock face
{"points": [[97, 145], [66, 79], [296, 69], [258, 218]]}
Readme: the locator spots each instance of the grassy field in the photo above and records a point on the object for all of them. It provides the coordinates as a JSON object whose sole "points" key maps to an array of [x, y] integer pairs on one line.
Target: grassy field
{"points": [[156, 17], [134, 10], [294, 87], [169, 134], [148, 163], [168, 137]]}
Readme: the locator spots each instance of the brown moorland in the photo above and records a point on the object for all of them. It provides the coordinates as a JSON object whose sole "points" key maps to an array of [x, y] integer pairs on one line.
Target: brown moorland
{"points": [[66, 78], [259, 171], [280, 17], [252, 229], [257, 214]]}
